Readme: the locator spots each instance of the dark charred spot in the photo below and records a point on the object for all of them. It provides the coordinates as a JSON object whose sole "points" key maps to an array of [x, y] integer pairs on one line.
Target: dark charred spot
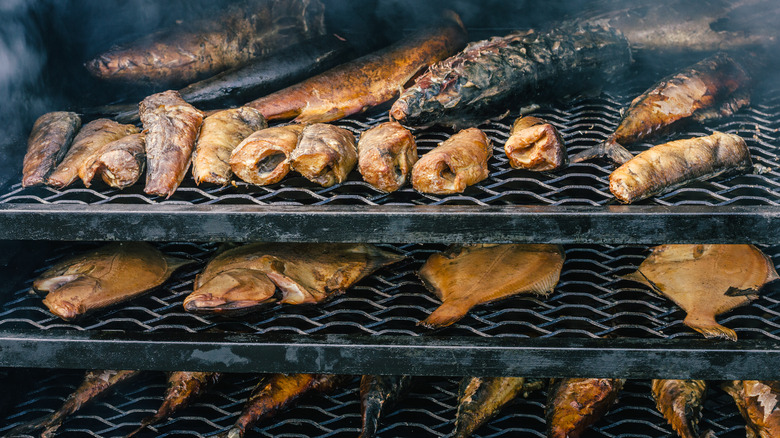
{"points": [[270, 162]]}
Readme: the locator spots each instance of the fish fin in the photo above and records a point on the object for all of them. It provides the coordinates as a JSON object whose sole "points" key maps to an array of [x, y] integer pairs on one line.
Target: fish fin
{"points": [[710, 328], [445, 315], [737, 292], [609, 149], [636, 276], [175, 263]]}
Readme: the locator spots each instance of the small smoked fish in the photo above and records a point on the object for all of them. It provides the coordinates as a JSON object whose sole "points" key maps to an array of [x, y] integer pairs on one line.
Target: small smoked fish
{"points": [[386, 154], [706, 280], [454, 164], [680, 402], [465, 276], [120, 163], [95, 384], [573, 405], [220, 133], [51, 136], [171, 127], [325, 154], [712, 88], [277, 393], [481, 398], [378, 393], [492, 76], [264, 157], [243, 278], [757, 402], [364, 82], [665, 167], [183, 387], [105, 276], [534, 144], [88, 142]]}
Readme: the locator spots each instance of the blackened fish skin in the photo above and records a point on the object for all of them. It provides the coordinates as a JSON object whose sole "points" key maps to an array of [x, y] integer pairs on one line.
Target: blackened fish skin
{"points": [[377, 393]]}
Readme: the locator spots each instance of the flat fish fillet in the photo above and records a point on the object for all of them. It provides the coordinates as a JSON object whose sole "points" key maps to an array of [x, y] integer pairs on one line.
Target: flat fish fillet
{"points": [[325, 154], [51, 136], [264, 157], [458, 162], [119, 163], [536, 145], [386, 154]]}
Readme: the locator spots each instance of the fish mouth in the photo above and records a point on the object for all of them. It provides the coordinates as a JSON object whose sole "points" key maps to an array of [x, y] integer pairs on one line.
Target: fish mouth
{"points": [[235, 291], [64, 309]]}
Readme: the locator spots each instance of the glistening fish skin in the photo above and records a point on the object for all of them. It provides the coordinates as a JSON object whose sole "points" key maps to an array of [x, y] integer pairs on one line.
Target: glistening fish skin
{"points": [[51, 136], [757, 402], [573, 405], [491, 77], [534, 144], [386, 154], [681, 402], [378, 393], [325, 154]]}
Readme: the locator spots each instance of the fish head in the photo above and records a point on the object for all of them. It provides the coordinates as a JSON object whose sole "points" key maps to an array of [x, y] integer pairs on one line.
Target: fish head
{"points": [[232, 291], [68, 294]]}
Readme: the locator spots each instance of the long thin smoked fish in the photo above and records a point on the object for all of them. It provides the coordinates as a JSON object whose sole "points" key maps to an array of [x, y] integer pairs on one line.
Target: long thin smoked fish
{"points": [[49, 141]]}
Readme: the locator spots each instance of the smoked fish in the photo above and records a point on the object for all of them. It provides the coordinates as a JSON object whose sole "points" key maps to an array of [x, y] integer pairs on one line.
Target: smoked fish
{"points": [[465, 276], [665, 167], [325, 154], [243, 278], [377, 394], [365, 82], [264, 157], [105, 276], [501, 74], [171, 127], [386, 154], [681, 402], [534, 144], [458, 162], [706, 280], [51, 136], [573, 405], [120, 163], [757, 402], [713, 88], [220, 133]]}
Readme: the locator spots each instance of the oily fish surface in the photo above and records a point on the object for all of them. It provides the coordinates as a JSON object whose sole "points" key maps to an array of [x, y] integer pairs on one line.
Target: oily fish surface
{"points": [[466, 276]]}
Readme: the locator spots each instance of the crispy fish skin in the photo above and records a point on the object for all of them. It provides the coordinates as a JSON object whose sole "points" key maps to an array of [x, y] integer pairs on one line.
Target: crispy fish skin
{"points": [[681, 402], [665, 167], [489, 77], [713, 88], [325, 154], [573, 405], [757, 402], [120, 163], [466, 276], [219, 135], [365, 82], [456, 163], [378, 393], [105, 276], [51, 136], [386, 154], [534, 144], [243, 278], [706, 280], [171, 127], [264, 157]]}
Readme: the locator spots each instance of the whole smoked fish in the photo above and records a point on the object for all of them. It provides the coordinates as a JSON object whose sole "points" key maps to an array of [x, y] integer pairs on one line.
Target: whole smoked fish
{"points": [[573, 405], [466, 276], [325, 154], [458, 162], [681, 402], [757, 402], [243, 278], [706, 280], [386, 154], [364, 82], [665, 167], [377, 394], [712, 88], [171, 127], [494, 76], [120, 163], [220, 133], [534, 144], [264, 157], [105, 276], [51, 136]]}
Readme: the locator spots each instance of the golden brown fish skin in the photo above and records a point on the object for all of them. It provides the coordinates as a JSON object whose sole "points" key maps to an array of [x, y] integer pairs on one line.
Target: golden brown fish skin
{"points": [[171, 127], [456, 163], [88, 142], [386, 154], [681, 402], [573, 405], [715, 87], [51, 136], [757, 402], [243, 278], [365, 82], [536, 145], [706, 280], [264, 157], [466, 276], [219, 135], [325, 154], [105, 276], [120, 163]]}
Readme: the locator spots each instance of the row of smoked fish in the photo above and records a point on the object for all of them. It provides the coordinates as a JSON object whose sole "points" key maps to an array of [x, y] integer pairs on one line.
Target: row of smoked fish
{"points": [[459, 87], [573, 404]]}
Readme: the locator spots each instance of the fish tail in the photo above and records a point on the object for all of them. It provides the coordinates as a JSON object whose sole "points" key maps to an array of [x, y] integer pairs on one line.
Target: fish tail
{"points": [[609, 149], [710, 328], [445, 315], [371, 413], [144, 424]]}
